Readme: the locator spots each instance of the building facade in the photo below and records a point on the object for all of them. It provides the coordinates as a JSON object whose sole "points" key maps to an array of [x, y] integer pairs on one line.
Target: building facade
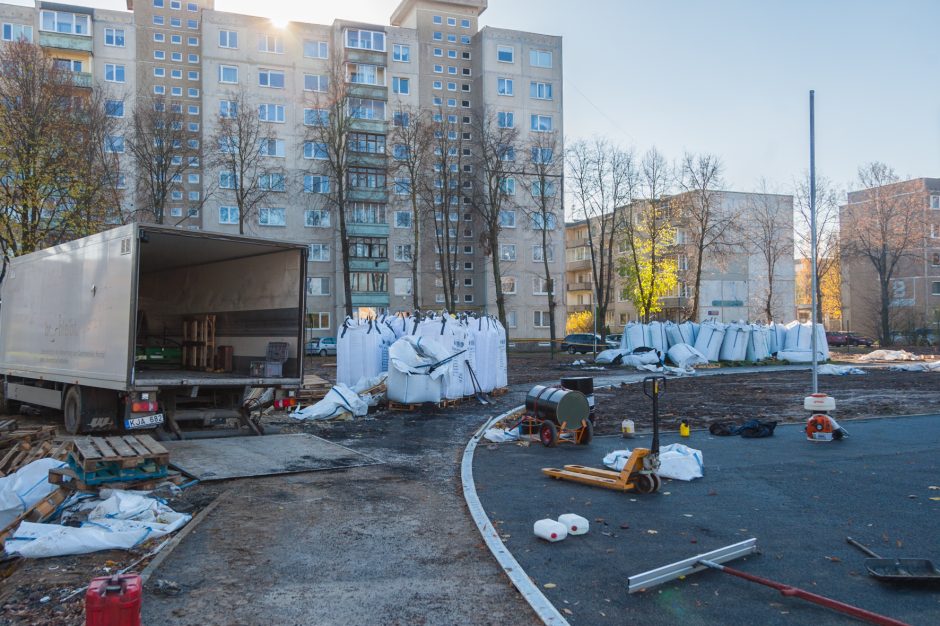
{"points": [[432, 55], [734, 284], [914, 299]]}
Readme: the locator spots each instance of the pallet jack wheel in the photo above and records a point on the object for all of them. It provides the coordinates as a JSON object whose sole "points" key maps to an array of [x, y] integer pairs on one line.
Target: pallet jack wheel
{"points": [[647, 483], [586, 433], [548, 434]]}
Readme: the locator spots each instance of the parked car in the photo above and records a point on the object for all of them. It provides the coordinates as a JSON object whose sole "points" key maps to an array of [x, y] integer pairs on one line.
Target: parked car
{"points": [[614, 340], [854, 339], [583, 343], [322, 346], [837, 339]]}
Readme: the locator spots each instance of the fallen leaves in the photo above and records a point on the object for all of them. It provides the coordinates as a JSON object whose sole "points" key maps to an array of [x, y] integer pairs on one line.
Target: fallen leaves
{"points": [[568, 611], [834, 559], [549, 585]]}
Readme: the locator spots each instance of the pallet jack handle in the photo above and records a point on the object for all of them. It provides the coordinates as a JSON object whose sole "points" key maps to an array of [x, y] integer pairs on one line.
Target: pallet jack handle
{"points": [[653, 386], [796, 592]]}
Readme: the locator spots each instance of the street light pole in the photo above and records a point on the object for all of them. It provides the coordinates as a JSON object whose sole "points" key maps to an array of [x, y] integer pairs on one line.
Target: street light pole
{"points": [[812, 225]]}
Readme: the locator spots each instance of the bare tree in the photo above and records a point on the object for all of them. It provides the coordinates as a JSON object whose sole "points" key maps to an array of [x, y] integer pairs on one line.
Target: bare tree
{"points": [[58, 154], [711, 229], [162, 152], [882, 224], [827, 230], [543, 184], [649, 234], [412, 145], [769, 236], [494, 167], [240, 151], [604, 180]]}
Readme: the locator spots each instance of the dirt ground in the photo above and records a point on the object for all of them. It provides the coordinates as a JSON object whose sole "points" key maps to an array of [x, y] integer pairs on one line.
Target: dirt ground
{"points": [[775, 395]]}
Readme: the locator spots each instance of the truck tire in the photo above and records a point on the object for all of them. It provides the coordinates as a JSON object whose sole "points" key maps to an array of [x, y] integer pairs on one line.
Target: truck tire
{"points": [[72, 410], [10, 407]]}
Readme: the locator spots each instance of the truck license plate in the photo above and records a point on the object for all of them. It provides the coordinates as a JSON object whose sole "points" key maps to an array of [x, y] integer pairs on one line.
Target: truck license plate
{"points": [[143, 422]]}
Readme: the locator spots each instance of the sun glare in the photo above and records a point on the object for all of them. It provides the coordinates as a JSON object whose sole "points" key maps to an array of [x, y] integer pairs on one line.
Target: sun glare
{"points": [[279, 22]]}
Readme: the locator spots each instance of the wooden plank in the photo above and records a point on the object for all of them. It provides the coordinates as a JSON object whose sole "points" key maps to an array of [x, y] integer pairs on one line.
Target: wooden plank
{"points": [[107, 452], [154, 446], [139, 448], [120, 446], [86, 451]]}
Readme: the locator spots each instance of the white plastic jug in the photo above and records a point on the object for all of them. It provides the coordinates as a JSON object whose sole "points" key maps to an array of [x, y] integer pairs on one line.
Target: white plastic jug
{"points": [[550, 530], [627, 428], [575, 524]]}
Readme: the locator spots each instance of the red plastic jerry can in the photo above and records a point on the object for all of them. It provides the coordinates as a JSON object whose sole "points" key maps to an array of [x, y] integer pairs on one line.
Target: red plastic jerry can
{"points": [[113, 601]]}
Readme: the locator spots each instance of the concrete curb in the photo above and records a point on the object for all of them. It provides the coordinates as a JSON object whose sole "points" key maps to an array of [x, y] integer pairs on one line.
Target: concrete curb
{"points": [[545, 610]]}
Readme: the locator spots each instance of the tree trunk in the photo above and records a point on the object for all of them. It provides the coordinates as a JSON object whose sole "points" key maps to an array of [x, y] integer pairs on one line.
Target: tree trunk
{"points": [[497, 277], [344, 247], [885, 313], [768, 308], [697, 286], [415, 260], [550, 285]]}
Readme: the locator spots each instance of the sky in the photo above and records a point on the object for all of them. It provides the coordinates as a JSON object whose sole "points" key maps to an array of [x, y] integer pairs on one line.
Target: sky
{"points": [[729, 77]]}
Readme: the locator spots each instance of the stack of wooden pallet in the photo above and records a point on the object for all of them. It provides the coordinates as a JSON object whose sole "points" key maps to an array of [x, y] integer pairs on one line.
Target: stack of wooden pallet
{"points": [[199, 343], [314, 388], [131, 462], [20, 446]]}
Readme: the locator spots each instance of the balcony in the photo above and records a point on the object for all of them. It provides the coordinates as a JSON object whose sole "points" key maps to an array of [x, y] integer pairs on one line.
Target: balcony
{"points": [[82, 79], [367, 159], [65, 42], [370, 299], [372, 92], [372, 57], [367, 126], [578, 308], [580, 287], [574, 266], [367, 230], [368, 265], [366, 194]]}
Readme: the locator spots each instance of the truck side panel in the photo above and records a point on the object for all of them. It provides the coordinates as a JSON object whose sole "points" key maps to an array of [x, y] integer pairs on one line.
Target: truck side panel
{"points": [[66, 312]]}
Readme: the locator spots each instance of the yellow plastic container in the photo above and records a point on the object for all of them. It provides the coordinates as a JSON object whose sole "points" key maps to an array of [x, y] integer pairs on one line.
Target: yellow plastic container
{"points": [[684, 430]]}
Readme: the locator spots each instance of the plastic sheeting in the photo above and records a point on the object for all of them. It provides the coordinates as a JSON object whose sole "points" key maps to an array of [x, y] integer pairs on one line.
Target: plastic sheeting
{"points": [[676, 461], [338, 400], [799, 356], [838, 370], [24, 488], [121, 520], [890, 355]]}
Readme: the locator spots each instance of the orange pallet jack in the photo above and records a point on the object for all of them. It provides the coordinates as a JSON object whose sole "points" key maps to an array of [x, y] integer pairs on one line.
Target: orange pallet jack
{"points": [[639, 473]]}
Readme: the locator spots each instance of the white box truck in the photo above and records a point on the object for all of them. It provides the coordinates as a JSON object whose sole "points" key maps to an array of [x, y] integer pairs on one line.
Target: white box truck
{"points": [[95, 327]]}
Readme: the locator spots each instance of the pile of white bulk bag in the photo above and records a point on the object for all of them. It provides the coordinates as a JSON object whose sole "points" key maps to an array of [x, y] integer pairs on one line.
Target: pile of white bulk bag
{"points": [[709, 339], [686, 332], [411, 379], [778, 337], [800, 339], [734, 343], [396, 323], [656, 332], [685, 356], [635, 335], [486, 340], [758, 347], [502, 361]]}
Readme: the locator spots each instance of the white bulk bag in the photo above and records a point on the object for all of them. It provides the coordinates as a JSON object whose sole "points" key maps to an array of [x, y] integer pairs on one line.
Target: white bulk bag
{"points": [[709, 340], [635, 335], [410, 377], [502, 360], [656, 331], [734, 343], [683, 355], [778, 337], [757, 343], [799, 356], [685, 332]]}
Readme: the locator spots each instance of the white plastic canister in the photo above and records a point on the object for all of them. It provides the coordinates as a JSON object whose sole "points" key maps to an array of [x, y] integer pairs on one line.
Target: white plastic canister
{"points": [[575, 524], [550, 530]]}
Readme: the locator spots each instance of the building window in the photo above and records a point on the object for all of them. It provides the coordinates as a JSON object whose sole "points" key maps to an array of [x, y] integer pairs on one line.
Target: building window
{"points": [[507, 218], [437, 36], [272, 217], [113, 73], [366, 178], [505, 54], [316, 150], [365, 40], [228, 74], [176, 39], [112, 37], [540, 319], [228, 215], [114, 108], [316, 49], [935, 231], [541, 123], [402, 219], [318, 286], [504, 86], [401, 53], [935, 259], [192, 58], [159, 55], [403, 253], [319, 252], [17, 32], [272, 147], [316, 82], [314, 183], [540, 58], [540, 91], [192, 41], [159, 72], [228, 39], [159, 90], [159, 38], [400, 85], [935, 288], [316, 218], [369, 282], [177, 74], [543, 191], [935, 202], [66, 23], [192, 24], [176, 5], [507, 252], [274, 181], [114, 144], [228, 108], [316, 117], [365, 109], [544, 155], [538, 256], [366, 142], [438, 52], [401, 186], [271, 113], [273, 79], [270, 43], [538, 220], [367, 213], [318, 321], [403, 286], [176, 91], [507, 186], [438, 69], [509, 284], [192, 75]]}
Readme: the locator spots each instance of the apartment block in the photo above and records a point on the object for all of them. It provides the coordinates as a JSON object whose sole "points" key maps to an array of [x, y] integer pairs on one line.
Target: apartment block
{"points": [[733, 286], [914, 298], [432, 55]]}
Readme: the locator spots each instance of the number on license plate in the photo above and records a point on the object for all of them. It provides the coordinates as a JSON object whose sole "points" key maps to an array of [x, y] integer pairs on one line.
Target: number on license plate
{"points": [[144, 422]]}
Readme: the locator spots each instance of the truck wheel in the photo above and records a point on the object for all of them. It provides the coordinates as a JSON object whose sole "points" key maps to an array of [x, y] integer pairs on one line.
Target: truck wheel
{"points": [[72, 409]]}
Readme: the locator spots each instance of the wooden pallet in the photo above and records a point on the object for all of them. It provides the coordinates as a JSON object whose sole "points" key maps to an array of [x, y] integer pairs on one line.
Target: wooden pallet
{"points": [[69, 479], [36, 513], [417, 406], [313, 388], [446, 402], [198, 351], [499, 391], [27, 452], [92, 453]]}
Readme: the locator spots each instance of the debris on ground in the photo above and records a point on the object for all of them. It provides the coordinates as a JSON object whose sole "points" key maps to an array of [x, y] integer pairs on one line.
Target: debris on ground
{"points": [[498, 435], [838, 370], [890, 355], [676, 461], [20, 446], [751, 429], [931, 366]]}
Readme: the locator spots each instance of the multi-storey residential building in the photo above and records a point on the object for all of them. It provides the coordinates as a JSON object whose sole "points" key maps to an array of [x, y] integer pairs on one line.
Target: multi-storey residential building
{"points": [[914, 298], [432, 55], [733, 286]]}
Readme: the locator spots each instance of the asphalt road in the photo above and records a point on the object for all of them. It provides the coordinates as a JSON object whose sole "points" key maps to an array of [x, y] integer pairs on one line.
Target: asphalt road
{"points": [[798, 498]]}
